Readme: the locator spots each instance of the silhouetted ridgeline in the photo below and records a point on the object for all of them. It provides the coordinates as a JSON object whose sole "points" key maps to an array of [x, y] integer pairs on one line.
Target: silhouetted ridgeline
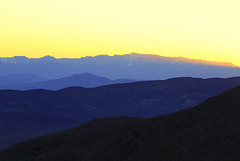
{"points": [[206, 132], [133, 66]]}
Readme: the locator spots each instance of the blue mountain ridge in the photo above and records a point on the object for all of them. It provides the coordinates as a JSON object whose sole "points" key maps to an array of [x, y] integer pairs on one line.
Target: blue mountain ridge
{"points": [[132, 66], [86, 80]]}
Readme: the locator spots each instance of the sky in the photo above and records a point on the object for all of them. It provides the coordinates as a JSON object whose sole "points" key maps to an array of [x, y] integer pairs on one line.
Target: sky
{"points": [[197, 29]]}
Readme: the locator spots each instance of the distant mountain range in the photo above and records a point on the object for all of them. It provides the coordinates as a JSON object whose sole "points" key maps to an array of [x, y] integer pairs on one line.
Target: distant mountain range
{"points": [[132, 66], [206, 132], [26, 114], [86, 80]]}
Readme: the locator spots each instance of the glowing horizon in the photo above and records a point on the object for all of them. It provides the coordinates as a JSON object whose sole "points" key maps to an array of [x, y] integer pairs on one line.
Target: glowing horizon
{"points": [[206, 30], [194, 61]]}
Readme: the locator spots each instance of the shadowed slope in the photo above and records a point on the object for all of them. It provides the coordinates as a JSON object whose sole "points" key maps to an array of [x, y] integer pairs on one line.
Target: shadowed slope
{"points": [[84, 135], [209, 132], [23, 109]]}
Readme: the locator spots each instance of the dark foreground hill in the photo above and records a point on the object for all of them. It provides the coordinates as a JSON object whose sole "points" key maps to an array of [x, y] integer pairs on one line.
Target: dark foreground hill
{"points": [[207, 132], [27, 114]]}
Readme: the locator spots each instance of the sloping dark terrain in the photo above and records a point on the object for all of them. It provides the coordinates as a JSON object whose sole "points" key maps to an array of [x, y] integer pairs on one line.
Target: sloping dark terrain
{"points": [[209, 131], [86, 80], [30, 110]]}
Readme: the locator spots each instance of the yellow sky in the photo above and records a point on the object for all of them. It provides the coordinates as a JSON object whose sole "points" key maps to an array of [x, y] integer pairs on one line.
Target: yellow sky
{"points": [[201, 29]]}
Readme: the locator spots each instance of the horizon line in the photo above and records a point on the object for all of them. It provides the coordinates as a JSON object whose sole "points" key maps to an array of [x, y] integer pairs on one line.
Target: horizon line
{"points": [[201, 61]]}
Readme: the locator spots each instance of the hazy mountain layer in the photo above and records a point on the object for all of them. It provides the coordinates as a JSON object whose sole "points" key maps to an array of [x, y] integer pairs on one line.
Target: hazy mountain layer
{"points": [[19, 79], [132, 66], [86, 80], [209, 132]]}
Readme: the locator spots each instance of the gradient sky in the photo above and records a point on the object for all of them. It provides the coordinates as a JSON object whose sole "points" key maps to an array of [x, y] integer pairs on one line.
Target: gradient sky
{"points": [[201, 29]]}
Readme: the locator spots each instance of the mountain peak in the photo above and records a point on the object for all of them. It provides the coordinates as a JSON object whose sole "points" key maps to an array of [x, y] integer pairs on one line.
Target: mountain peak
{"points": [[48, 57], [85, 74], [20, 57]]}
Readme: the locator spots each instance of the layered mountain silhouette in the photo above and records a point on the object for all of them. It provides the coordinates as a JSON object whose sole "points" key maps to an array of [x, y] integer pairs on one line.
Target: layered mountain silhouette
{"points": [[132, 66], [84, 80], [208, 131], [43, 111]]}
